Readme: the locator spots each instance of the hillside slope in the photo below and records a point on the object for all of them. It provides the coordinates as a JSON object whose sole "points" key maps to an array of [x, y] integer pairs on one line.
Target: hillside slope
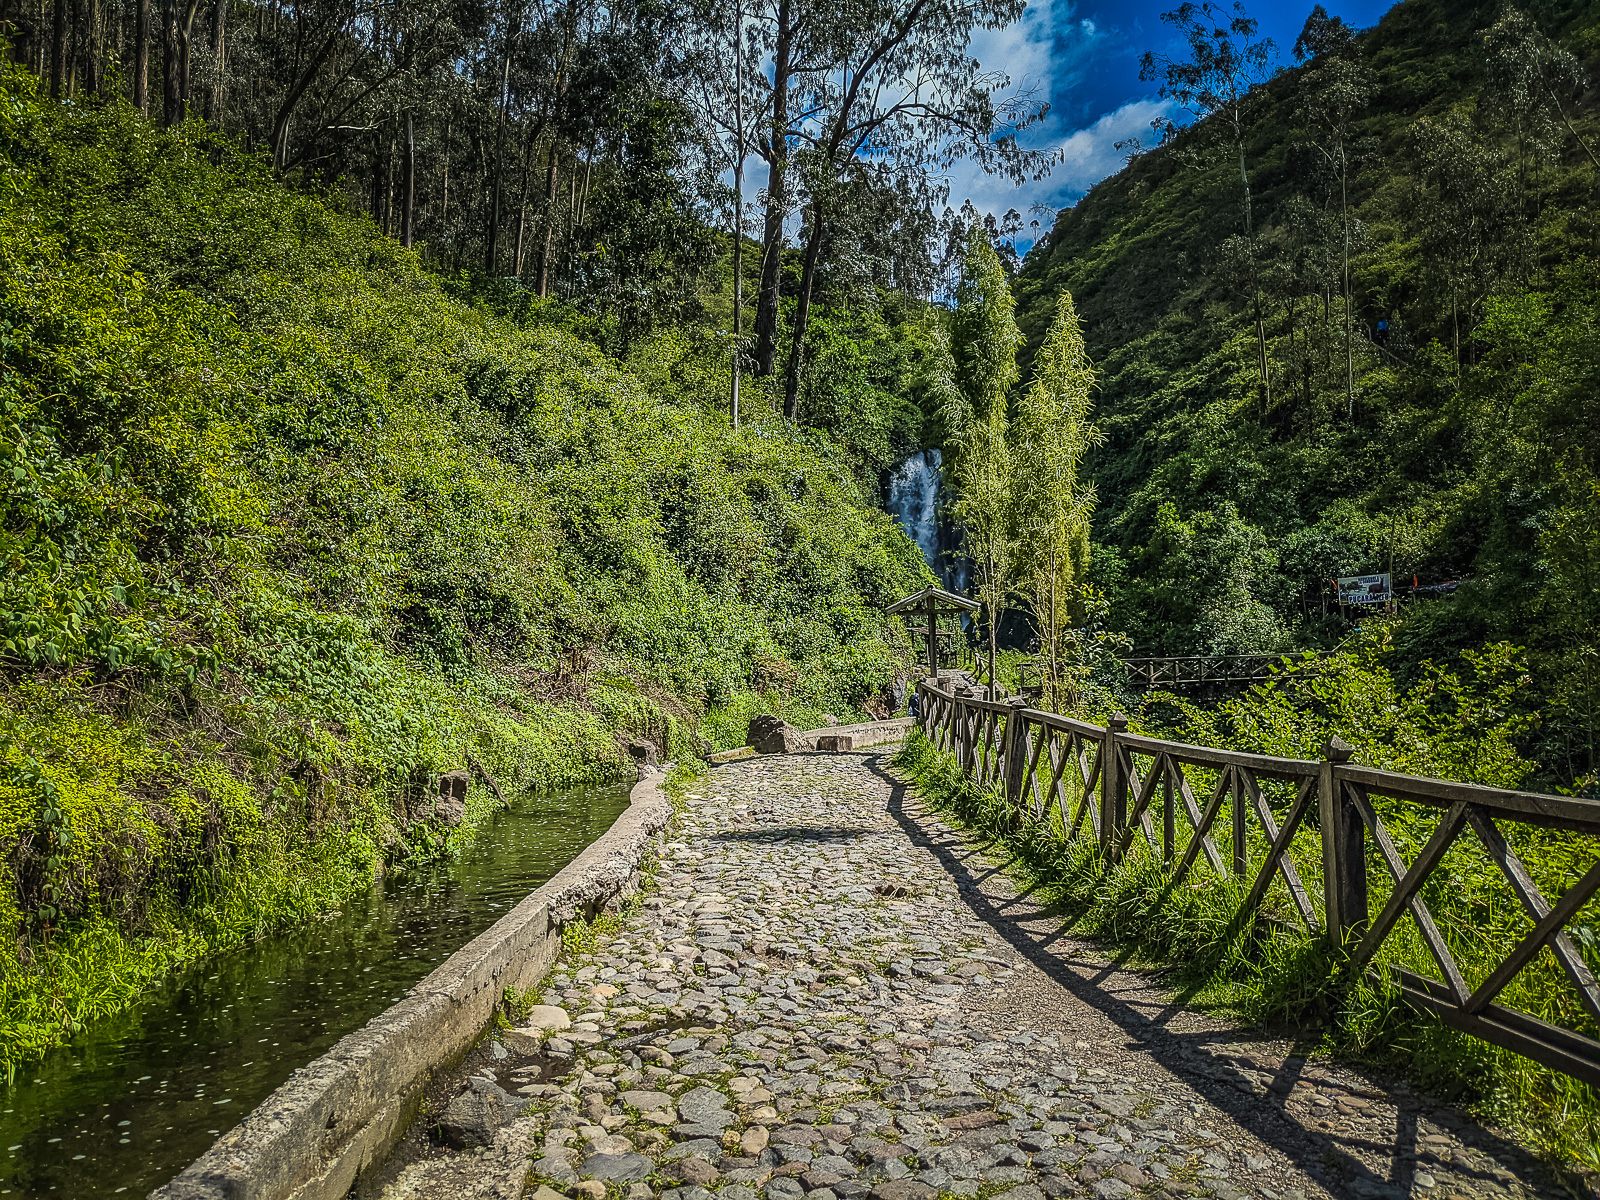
{"points": [[288, 530], [1467, 448]]}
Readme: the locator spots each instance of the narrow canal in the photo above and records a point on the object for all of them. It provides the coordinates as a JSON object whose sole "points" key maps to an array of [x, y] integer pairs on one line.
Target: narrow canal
{"points": [[136, 1098]]}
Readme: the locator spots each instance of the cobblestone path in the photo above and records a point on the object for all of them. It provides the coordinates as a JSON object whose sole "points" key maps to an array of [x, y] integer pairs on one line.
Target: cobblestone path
{"points": [[829, 993]]}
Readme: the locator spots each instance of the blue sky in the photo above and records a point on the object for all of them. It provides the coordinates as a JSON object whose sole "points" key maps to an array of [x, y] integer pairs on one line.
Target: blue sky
{"points": [[1084, 55]]}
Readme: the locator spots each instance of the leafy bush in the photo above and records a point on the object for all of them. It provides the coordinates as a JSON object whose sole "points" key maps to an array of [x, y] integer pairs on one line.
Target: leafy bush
{"points": [[290, 529]]}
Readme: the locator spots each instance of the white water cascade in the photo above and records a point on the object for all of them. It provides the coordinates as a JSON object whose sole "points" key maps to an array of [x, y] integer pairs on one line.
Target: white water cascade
{"points": [[914, 499]]}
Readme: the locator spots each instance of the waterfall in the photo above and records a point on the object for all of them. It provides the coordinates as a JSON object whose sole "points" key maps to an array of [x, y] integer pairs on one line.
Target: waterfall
{"points": [[914, 499]]}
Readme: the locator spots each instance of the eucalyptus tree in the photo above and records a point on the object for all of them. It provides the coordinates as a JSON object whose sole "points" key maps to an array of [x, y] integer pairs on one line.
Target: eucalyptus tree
{"points": [[1529, 76], [1334, 92], [1217, 86], [972, 385], [1463, 211], [1051, 504], [889, 90]]}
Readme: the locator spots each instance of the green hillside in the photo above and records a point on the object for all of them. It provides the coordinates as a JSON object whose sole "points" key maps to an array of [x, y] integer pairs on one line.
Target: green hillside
{"points": [[1467, 446], [289, 528]]}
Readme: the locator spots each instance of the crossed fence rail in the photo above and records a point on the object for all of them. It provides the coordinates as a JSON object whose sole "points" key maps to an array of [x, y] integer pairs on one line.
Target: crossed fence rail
{"points": [[1319, 828], [1195, 669]]}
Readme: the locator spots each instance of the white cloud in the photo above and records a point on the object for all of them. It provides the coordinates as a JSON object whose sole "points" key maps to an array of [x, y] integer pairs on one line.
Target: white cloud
{"points": [[1086, 156], [1047, 51]]}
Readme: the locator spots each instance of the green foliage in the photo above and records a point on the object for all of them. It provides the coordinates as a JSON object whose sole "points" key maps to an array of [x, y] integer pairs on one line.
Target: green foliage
{"points": [[1447, 152], [291, 530], [1051, 507]]}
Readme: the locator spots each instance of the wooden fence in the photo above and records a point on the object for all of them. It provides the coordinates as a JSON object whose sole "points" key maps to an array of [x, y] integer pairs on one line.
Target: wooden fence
{"points": [[1318, 827], [1201, 669]]}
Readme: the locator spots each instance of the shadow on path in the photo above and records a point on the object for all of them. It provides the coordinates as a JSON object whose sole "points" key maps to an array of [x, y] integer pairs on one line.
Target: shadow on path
{"points": [[1095, 984]]}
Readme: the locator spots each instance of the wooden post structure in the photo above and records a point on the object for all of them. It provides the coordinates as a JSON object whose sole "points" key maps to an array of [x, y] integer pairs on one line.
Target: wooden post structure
{"points": [[1113, 785], [1016, 753], [933, 599], [1344, 854]]}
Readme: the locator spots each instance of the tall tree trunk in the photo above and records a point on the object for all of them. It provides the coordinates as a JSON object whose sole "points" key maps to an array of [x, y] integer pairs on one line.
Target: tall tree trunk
{"points": [[491, 252], [171, 83], [802, 314], [410, 184], [1349, 351], [738, 205], [388, 186], [141, 57], [571, 228], [185, 32], [216, 95], [542, 283], [58, 49], [375, 194], [94, 47], [522, 201], [777, 154], [1255, 288], [444, 205], [77, 43]]}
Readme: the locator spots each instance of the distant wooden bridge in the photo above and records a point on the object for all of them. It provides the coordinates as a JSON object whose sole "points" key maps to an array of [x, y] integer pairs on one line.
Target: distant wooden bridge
{"points": [[1198, 670]]}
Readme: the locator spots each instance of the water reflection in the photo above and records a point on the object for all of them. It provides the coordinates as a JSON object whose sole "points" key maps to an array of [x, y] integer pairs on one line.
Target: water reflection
{"points": [[137, 1097]]}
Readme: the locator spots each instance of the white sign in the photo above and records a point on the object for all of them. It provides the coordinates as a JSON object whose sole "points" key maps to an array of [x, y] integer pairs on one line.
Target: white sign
{"points": [[1364, 589]]}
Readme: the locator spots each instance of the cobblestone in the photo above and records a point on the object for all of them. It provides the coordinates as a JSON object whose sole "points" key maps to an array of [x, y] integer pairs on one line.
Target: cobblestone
{"points": [[828, 994]]}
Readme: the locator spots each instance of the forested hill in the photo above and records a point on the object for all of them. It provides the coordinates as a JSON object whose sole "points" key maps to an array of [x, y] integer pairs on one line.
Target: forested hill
{"points": [[288, 530], [1466, 446]]}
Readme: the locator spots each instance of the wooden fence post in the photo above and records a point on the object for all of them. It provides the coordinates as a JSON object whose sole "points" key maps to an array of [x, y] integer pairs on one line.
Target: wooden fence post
{"points": [[1016, 752], [1344, 854], [1113, 785]]}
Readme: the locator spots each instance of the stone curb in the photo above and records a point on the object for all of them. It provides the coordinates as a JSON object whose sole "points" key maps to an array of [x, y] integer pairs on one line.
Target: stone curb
{"points": [[868, 733], [342, 1113]]}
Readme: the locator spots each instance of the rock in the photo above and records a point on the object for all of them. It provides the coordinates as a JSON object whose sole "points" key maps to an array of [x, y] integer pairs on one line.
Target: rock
{"points": [[556, 1165], [696, 1170], [545, 1192], [619, 1168], [836, 743], [784, 1188], [773, 735], [1129, 1174], [706, 1148], [754, 1140], [706, 1107], [646, 1101], [737, 1191], [590, 1189], [903, 1189], [1111, 1189], [1120, 1107], [474, 1116], [1026, 1191], [531, 1036], [451, 804], [972, 1120], [644, 753]]}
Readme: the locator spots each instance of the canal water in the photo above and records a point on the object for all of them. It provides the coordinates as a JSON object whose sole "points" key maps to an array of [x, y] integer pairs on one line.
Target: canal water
{"points": [[136, 1098]]}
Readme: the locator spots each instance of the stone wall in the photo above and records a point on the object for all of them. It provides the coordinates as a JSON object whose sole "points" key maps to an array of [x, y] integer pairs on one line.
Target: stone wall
{"points": [[332, 1119]]}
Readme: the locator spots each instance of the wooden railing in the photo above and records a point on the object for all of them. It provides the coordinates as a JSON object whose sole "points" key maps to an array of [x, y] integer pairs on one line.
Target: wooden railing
{"points": [[1113, 786], [1199, 669]]}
